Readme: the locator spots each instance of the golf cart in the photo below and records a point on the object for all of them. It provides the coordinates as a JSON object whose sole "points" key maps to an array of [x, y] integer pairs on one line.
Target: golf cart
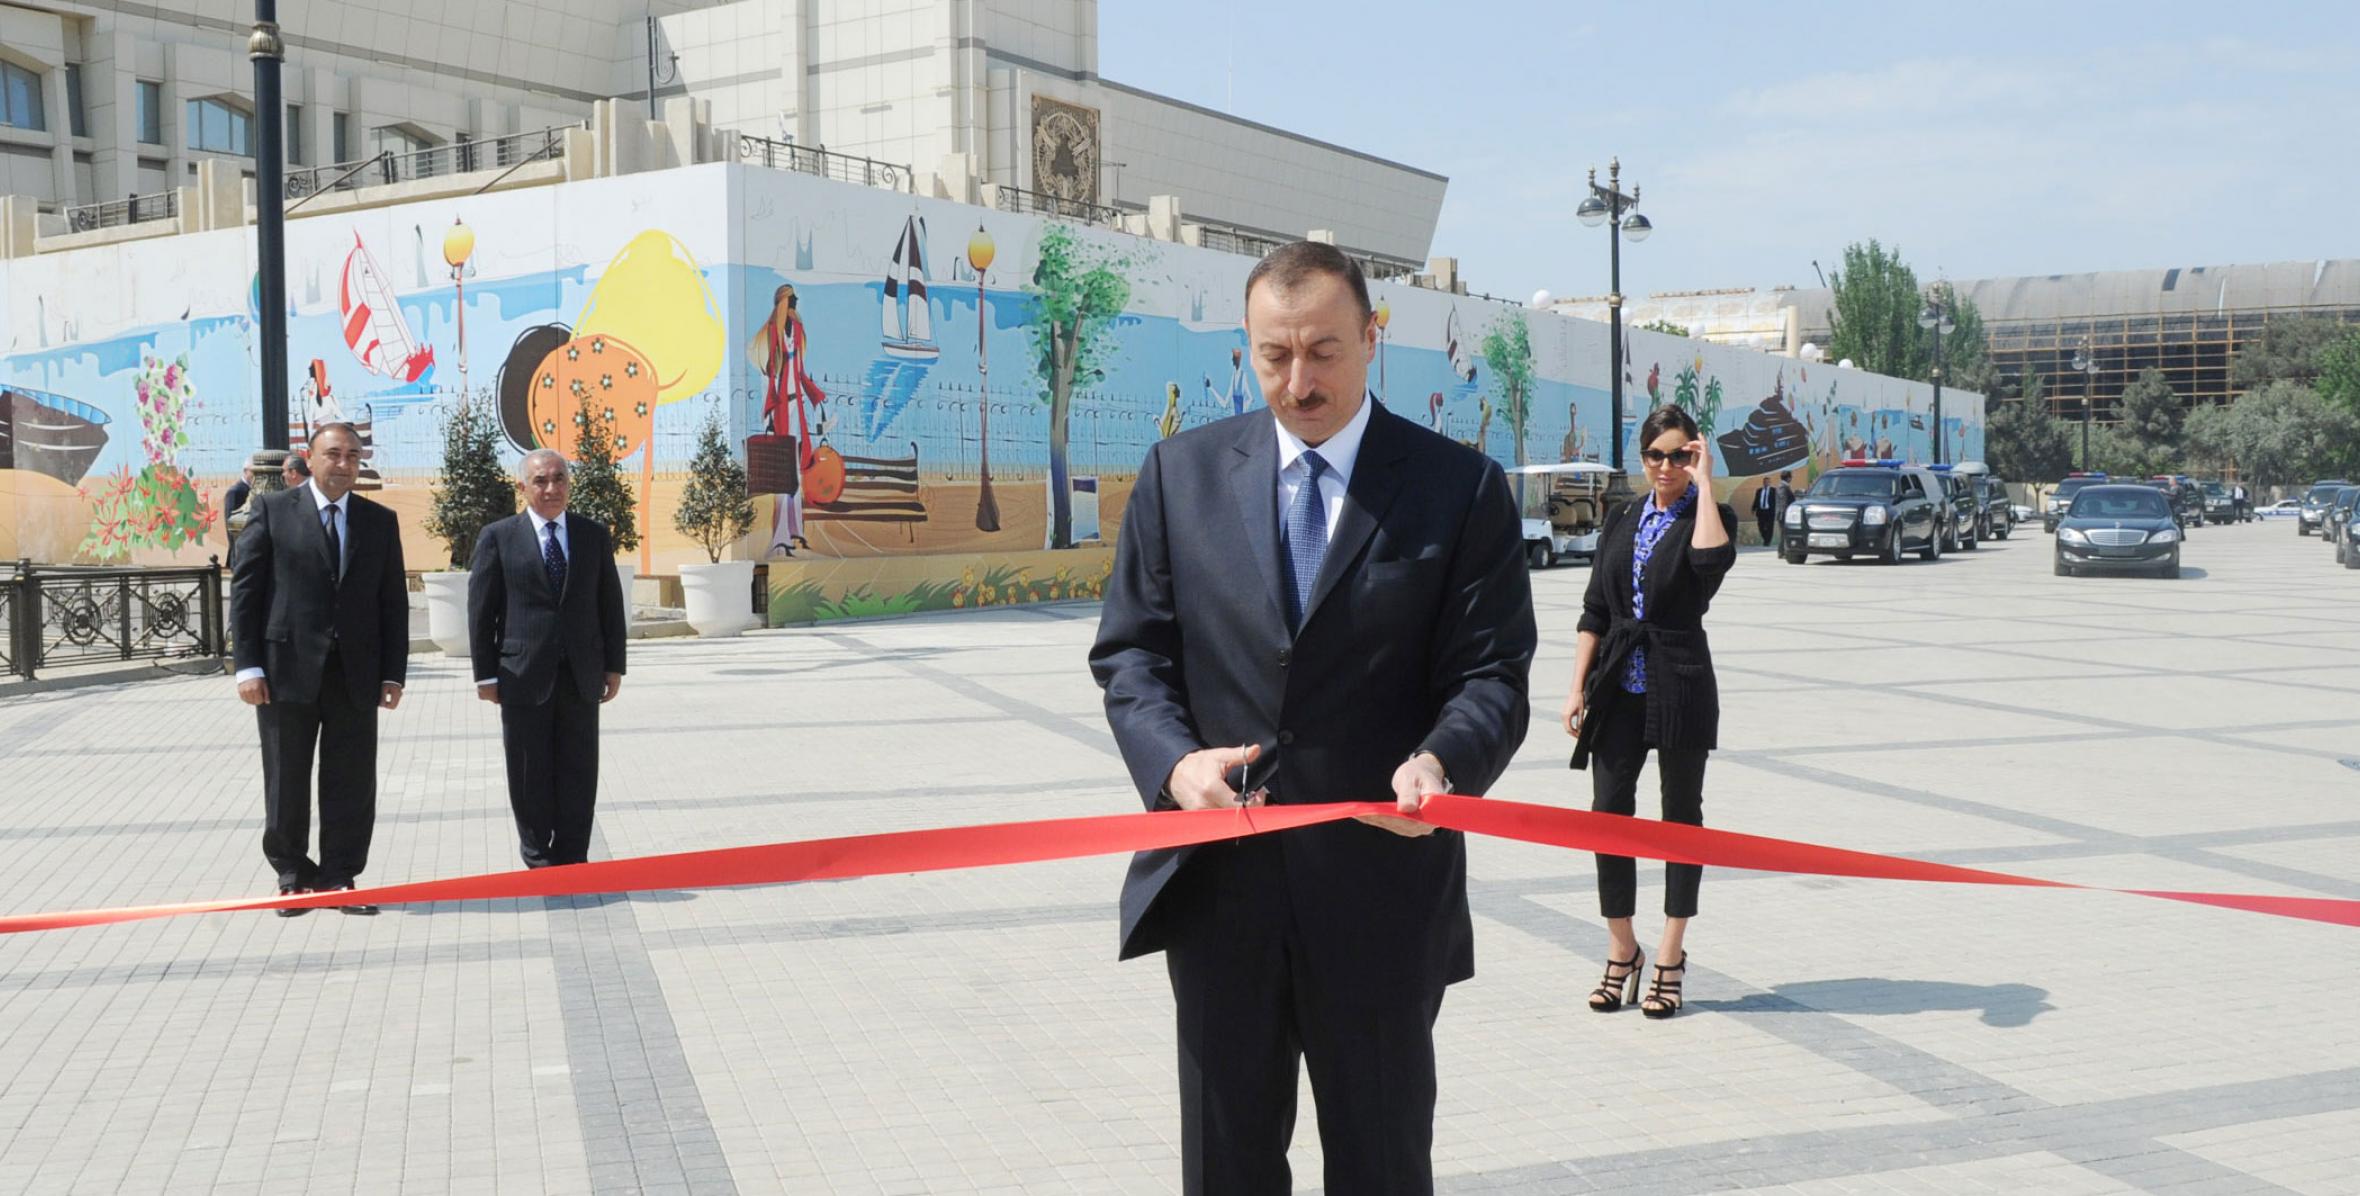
{"points": [[1564, 505]]}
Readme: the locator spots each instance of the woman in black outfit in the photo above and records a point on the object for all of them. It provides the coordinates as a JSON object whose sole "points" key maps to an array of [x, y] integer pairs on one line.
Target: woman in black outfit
{"points": [[1643, 679]]}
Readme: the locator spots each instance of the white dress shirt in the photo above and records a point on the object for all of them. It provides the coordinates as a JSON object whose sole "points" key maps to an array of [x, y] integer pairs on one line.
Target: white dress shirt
{"points": [[326, 510], [1340, 451]]}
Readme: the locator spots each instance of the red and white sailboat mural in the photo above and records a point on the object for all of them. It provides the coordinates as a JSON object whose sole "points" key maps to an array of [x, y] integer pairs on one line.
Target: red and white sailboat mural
{"points": [[373, 323]]}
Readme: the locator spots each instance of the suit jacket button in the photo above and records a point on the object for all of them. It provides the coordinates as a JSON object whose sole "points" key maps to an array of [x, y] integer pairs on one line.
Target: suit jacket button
{"points": [[1286, 656], [1286, 737]]}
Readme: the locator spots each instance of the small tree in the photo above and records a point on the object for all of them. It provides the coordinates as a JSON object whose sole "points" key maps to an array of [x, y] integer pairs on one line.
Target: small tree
{"points": [[599, 491], [2152, 417], [2288, 351], [714, 510], [1664, 326], [474, 491], [1507, 349], [2339, 372], [2023, 441]]}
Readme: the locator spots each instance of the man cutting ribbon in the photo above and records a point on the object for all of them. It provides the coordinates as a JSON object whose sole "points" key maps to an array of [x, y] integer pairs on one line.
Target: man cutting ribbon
{"points": [[1317, 603]]}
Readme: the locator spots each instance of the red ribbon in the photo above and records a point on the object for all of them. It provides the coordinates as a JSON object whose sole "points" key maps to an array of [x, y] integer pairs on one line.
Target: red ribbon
{"points": [[1071, 838]]}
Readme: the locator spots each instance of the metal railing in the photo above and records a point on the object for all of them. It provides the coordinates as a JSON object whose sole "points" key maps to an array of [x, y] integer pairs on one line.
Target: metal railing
{"points": [[802, 159], [440, 161], [57, 615], [116, 213], [1229, 238], [1041, 203]]}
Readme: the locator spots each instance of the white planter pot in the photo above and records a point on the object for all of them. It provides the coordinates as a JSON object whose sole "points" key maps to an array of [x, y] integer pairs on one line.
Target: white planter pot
{"points": [[628, 573], [446, 611], [720, 598]]}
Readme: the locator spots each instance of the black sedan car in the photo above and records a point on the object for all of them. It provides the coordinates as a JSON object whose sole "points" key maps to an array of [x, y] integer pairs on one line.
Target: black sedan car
{"points": [[1873, 510], [2119, 528]]}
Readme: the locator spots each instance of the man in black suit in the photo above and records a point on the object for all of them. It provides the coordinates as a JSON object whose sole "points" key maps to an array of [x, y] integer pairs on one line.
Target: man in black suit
{"points": [[320, 608], [1766, 510], [239, 492], [1319, 602], [547, 626]]}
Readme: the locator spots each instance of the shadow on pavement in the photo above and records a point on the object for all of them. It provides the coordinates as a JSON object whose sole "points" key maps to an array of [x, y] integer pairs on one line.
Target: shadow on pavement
{"points": [[2004, 1005]]}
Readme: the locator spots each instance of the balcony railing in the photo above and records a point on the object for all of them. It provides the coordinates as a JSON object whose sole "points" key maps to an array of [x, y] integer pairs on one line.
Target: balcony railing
{"points": [[802, 159], [51, 616], [116, 213], [1041, 203], [440, 161]]}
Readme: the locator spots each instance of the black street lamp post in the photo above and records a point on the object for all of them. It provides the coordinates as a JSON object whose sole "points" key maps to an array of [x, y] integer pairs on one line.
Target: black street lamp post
{"points": [[2085, 363], [270, 222], [1937, 317], [1608, 205]]}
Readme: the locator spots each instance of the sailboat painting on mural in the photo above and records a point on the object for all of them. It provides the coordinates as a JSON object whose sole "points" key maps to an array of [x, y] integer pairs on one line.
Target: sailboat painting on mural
{"points": [[373, 323], [907, 314]]}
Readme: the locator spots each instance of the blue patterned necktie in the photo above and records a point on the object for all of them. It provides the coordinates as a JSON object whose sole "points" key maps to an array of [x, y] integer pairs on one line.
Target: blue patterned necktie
{"points": [[1306, 534], [553, 559]]}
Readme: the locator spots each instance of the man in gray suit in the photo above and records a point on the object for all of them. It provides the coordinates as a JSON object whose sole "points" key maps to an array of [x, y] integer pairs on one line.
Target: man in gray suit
{"points": [[547, 628]]}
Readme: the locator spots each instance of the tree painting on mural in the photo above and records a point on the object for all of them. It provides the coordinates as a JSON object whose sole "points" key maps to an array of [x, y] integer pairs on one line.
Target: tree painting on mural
{"points": [[1077, 292], [158, 506], [1699, 396], [1507, 348]]}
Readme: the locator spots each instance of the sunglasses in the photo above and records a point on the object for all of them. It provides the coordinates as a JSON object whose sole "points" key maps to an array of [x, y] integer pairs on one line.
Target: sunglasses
{"points": [[1659, 457]]}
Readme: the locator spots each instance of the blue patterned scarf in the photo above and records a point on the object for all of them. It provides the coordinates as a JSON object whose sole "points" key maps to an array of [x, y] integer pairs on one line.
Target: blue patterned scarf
{"points": [[1653, 523]]}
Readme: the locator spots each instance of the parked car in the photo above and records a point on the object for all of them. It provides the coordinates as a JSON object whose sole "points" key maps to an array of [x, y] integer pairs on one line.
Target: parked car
{"points": [[2285, 508], [2315, 504], [2335, 526], [2062, 497], [1999, 515], [2119, 528], [2220, 503], [1877, 509], [1966, 510]]}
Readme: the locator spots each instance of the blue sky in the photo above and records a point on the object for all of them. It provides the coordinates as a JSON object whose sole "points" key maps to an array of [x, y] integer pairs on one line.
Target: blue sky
{"points": [[1983, 139]]}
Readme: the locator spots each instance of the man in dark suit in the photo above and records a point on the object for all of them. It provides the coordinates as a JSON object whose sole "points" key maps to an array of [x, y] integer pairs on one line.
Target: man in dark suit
{"points": [[547, 626], [238, 493], [1319, 602], [320, 609], [1766, 510]]}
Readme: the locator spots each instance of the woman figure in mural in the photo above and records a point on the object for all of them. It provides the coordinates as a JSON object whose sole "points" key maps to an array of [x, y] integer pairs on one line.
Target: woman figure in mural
{"points": [[780, 352]]}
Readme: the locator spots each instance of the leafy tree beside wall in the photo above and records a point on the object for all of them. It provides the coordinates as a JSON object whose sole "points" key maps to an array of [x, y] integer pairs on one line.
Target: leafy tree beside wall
{"points": [[474, 490], [714, 510], [1079, 292], [1507, 349], [599, 491], [1666, 327], [2023, 442]]}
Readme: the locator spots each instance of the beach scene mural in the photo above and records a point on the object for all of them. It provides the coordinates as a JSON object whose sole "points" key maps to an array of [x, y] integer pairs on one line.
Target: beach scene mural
{"points": [[940, 406]]}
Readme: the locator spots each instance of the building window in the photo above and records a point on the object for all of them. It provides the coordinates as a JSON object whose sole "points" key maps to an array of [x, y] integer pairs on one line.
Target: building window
{"points": [[400, 139], [215, 127], [20, 98], [340, 129], [294, 132], [76, 124], [151, 112]]}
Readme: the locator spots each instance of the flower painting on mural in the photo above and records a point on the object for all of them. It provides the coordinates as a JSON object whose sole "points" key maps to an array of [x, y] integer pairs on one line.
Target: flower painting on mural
{"points": [[158, 506]]}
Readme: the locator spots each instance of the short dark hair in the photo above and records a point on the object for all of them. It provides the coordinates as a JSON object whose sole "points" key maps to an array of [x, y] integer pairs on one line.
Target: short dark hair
{"points": [[296, 465], [1291, 265], [337, 426], [1663, 419]]}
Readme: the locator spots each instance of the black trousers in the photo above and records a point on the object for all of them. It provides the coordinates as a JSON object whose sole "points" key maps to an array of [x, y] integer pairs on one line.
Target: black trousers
{"points": [[342, 735], [1769, 525], [1615, 761], [1251, 1010], [552, 749]]}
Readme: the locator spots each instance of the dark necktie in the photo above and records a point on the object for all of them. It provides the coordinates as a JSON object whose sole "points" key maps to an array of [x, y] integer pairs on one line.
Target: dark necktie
{"points": [[553, 559], [1306, 534], [335, 543]]}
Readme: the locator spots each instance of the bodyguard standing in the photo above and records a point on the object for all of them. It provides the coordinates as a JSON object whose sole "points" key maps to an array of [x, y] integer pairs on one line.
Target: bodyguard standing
{"points": [[320, 608], [1766, 510], [547, 627], [1318, 602]]}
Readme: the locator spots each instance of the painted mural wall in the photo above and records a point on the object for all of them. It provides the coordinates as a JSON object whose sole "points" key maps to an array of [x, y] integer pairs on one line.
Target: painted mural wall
{"points": [[939, 405]]}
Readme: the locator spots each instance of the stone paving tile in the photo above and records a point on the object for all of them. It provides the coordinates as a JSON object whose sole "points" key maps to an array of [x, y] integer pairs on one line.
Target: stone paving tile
{"points": [[954, 1032]]}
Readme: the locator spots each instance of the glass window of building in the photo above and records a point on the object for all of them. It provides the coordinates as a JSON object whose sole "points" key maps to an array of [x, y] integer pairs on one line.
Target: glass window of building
{"points": [[76, 123], [294, 134], [215, 127], [20, 98], [151, 112], [401, 139]]}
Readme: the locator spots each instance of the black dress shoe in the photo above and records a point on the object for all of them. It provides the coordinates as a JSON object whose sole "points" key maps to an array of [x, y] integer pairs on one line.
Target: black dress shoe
{"points": [[291, 891], [359, 910]]}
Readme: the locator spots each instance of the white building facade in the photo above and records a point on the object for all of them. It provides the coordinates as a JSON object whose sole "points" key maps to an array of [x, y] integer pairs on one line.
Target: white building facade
{"points": [[104, 99]]}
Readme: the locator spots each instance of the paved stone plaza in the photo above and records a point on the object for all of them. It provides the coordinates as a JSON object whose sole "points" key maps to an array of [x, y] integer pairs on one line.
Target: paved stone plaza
{"points": [[972, 1031]]}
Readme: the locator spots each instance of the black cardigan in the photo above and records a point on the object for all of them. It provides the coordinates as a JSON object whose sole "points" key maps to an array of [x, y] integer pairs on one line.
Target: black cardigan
{"points": [[1683, 702]]}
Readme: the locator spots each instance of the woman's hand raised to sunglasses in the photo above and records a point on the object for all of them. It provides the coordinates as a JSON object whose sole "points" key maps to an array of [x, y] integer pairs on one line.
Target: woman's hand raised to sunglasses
{"points": [[1699, 464]]}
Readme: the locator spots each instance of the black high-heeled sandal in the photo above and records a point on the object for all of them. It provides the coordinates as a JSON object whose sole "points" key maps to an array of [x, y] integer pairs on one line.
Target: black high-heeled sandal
{"points": [[1614, 992], [1663, 996]]}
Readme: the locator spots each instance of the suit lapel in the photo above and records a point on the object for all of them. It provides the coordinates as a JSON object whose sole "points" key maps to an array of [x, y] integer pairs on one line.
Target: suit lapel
{"points": [[1376, 478], [1253, 487]]}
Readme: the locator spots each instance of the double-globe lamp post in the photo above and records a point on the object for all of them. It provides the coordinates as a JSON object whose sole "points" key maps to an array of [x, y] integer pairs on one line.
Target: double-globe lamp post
{"points": [[2085, 363], [1608, 205], [1937, 317]]}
